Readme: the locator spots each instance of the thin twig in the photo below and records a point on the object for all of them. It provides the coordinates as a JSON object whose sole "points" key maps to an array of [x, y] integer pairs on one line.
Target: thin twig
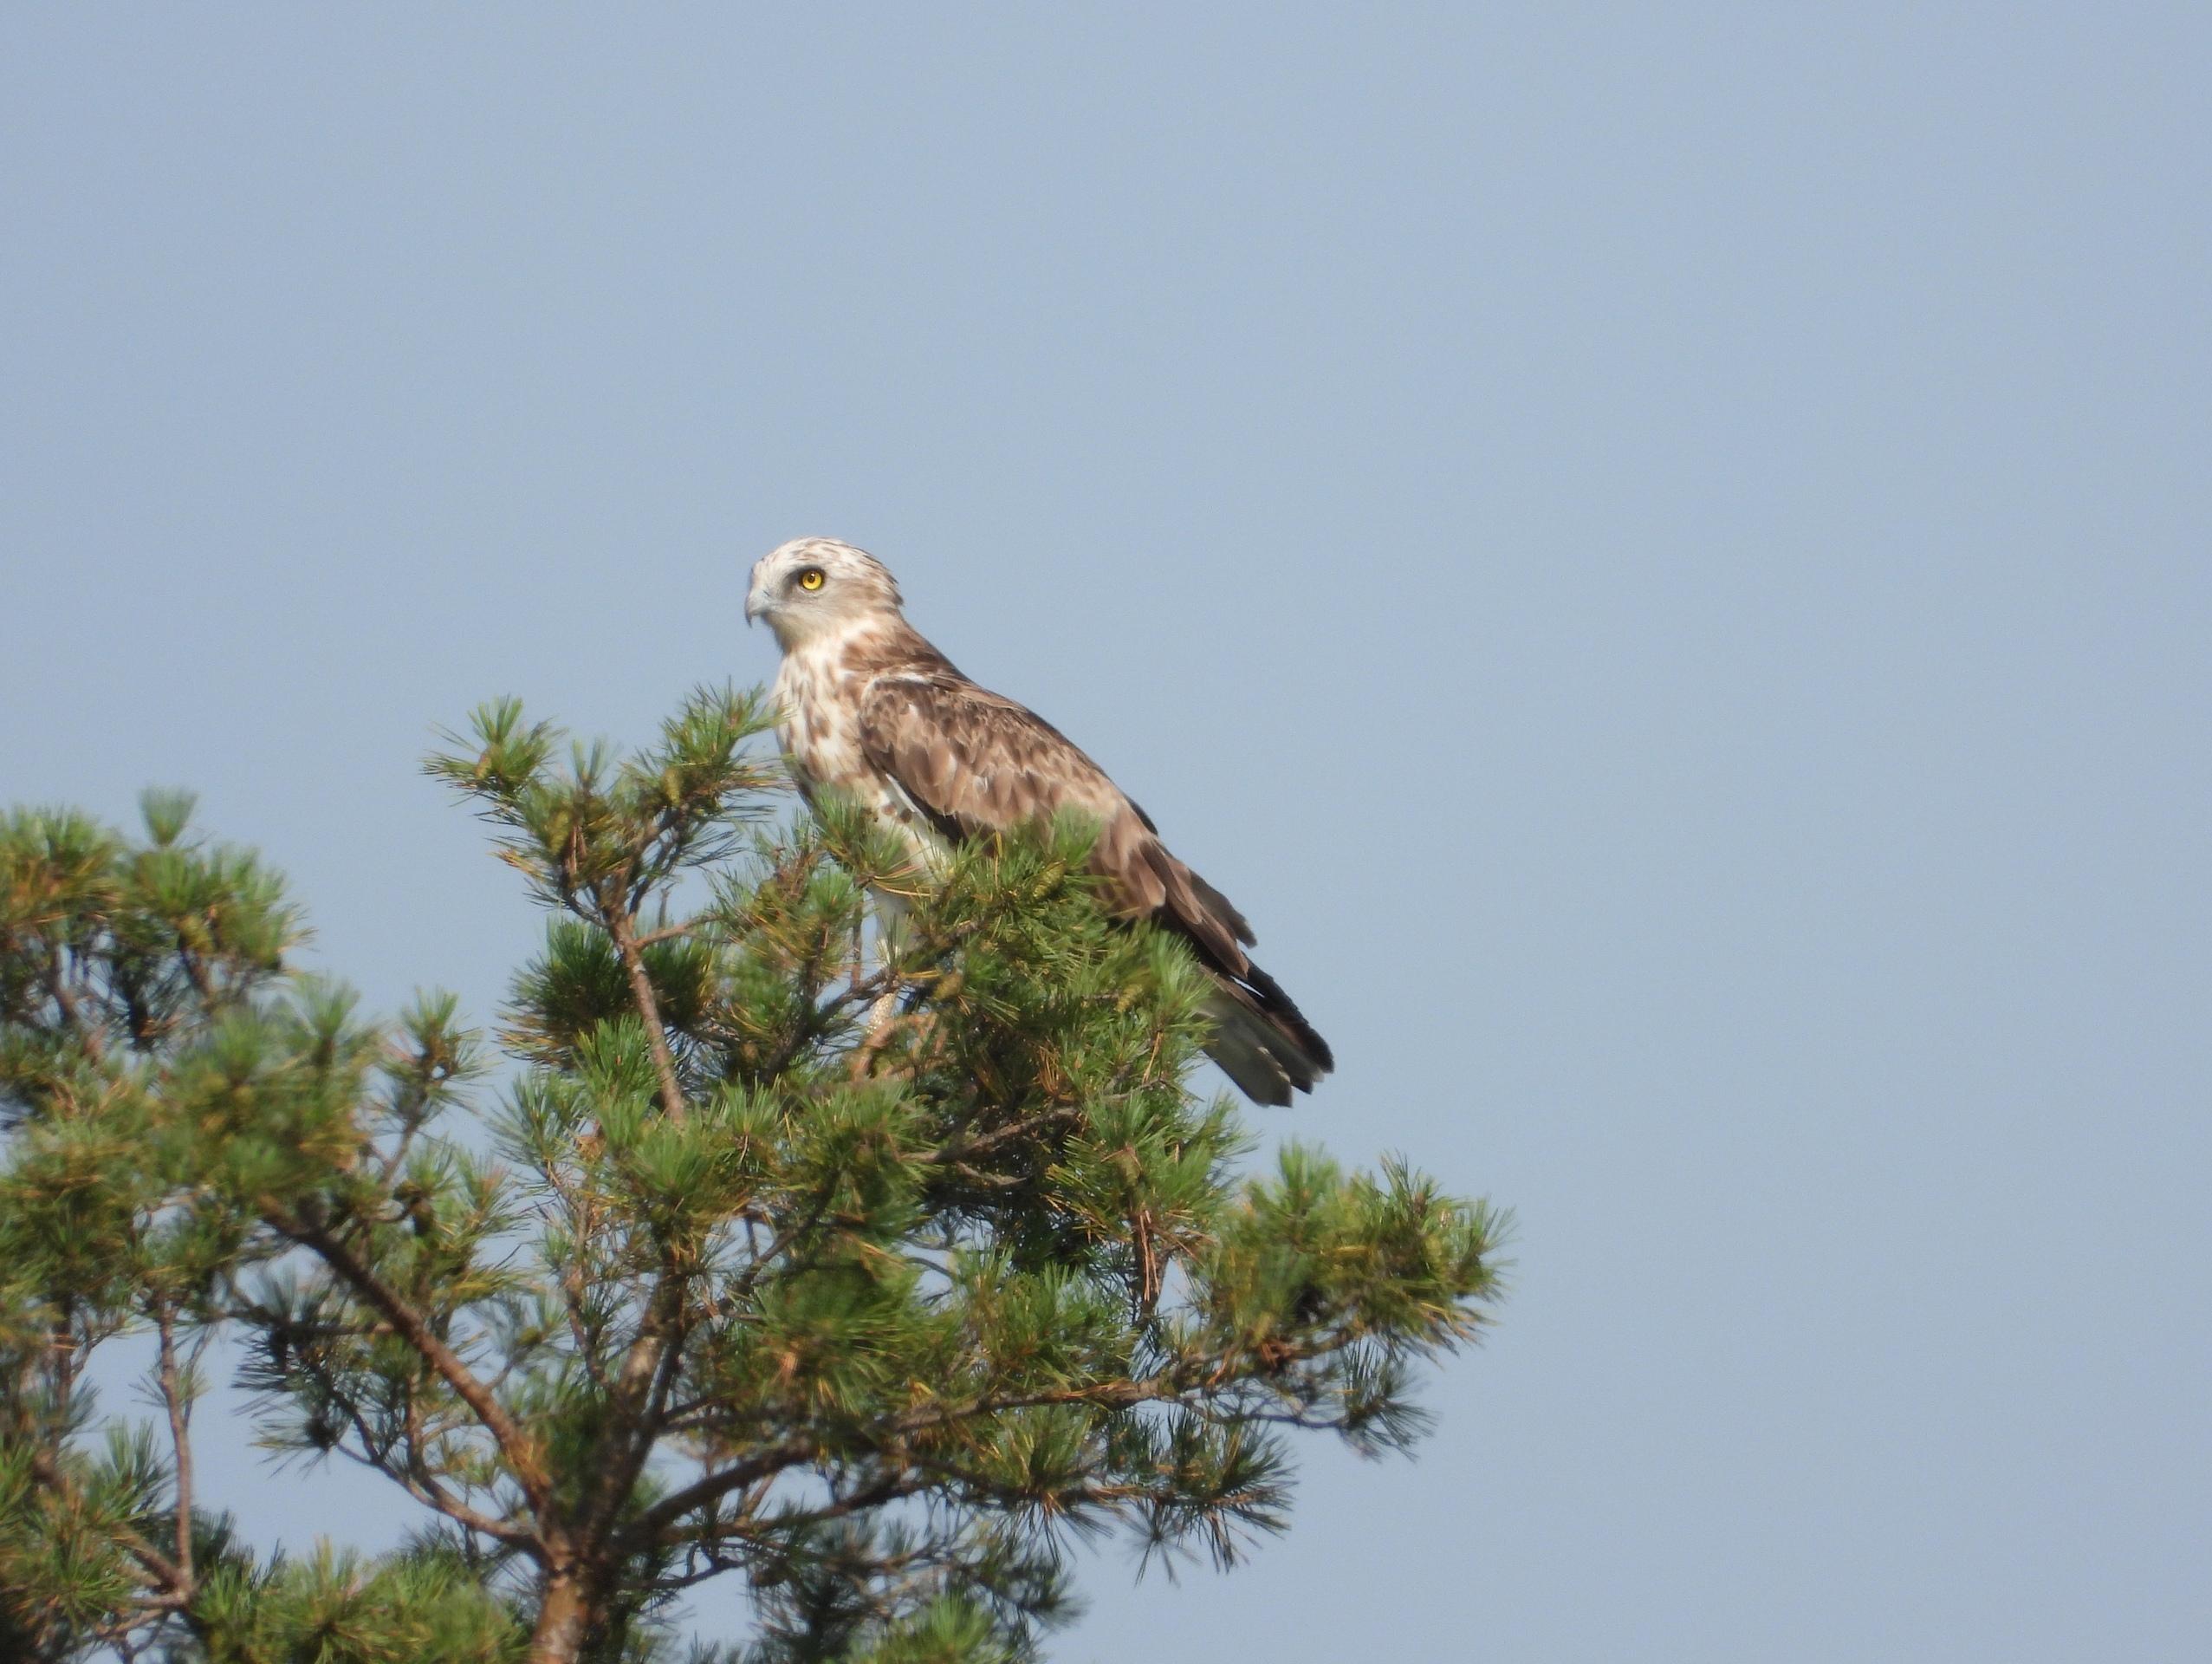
{"points": [[519, 1448], [889, 1488]]}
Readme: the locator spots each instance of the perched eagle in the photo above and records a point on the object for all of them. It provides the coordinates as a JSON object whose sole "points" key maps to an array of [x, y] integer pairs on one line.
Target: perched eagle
{"points": [[872, 710]]}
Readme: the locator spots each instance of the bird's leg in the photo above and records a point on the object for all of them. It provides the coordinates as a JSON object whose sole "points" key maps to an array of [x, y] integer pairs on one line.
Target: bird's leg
{"points": [[882, 1010], [891, 918]]}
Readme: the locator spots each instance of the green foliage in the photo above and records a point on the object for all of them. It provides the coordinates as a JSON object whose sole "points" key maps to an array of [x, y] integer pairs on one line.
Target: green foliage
{"points": [[877, 1273], [108, 943]]}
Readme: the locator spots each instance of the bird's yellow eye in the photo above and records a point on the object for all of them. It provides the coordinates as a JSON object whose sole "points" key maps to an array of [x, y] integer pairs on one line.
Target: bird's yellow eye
{"points": [[811, 579]]}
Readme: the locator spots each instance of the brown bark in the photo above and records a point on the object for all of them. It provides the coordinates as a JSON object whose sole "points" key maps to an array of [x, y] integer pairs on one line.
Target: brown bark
{"points": [[565, 1618], [663, 1061], [180, 1442]]}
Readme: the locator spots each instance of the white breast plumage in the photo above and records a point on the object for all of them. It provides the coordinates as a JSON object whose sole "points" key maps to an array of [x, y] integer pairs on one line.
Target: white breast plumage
{"points": [[819, 695]]}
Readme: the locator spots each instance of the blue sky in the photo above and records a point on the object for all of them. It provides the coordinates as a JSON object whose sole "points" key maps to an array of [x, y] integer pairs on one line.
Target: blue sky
{"points": [[1661, 554]]}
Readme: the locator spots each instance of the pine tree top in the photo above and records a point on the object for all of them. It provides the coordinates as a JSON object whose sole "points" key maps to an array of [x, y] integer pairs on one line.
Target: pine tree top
{"points": [[874, 1272]]}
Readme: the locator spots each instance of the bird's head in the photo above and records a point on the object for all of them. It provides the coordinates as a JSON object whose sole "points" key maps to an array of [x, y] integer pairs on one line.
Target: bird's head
{"points": [[816, 586]]}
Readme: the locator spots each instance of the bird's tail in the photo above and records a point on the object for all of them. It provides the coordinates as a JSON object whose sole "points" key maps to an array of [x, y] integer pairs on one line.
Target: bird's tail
{"points": [[1262, 1041]]}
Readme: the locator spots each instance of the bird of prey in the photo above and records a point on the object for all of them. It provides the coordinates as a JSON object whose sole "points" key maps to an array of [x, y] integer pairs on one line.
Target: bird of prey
{"points": [[869, 708]]}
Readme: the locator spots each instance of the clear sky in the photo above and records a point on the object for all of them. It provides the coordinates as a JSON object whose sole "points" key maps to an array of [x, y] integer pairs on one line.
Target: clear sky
{"points": [[1660, 553]]}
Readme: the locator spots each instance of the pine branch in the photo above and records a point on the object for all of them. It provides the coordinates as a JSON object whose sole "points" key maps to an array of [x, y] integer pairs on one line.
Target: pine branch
{"points": [[171, 1585], [203, 985], [522, 1451], [649, 1526], [639, 1397], [885, 1309], [878, 1493], [89, 1035], [180, 1442], [620, 927], [794, 1451], [413, 1474]]}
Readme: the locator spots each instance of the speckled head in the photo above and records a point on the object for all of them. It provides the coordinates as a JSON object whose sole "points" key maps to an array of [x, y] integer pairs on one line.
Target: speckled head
{"points": [[814, 587]]}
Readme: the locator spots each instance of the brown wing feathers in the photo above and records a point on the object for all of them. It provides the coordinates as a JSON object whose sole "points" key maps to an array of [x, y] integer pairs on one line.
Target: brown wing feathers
{"points": [[975, 762]]}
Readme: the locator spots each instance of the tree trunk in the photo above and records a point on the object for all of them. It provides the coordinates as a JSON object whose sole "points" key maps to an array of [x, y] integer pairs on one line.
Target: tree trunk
{"points": [[564, 1619]]}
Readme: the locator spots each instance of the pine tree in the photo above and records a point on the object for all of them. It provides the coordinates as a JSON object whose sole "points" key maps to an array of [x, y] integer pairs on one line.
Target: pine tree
{"points": [[876, 1273]]}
